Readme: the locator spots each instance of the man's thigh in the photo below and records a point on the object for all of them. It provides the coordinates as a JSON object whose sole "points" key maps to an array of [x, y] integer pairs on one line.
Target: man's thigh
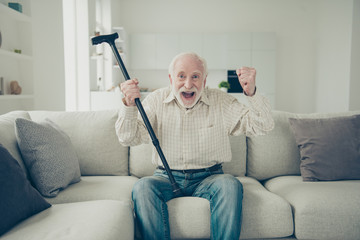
{"points": [[156, 185], [225, 184]]}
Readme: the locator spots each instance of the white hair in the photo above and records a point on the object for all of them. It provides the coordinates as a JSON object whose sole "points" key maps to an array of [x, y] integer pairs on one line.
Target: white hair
{"points": [[177, 57]]}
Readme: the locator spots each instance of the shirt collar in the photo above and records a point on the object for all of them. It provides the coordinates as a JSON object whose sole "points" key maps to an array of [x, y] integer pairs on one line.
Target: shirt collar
{"points": [[203, 98]]}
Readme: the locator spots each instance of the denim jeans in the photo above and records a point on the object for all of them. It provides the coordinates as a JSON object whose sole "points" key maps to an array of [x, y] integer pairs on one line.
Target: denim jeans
{"points": [[223, 191]]}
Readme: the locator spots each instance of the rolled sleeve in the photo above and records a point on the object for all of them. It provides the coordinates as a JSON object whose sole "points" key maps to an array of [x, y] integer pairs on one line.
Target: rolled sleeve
{"points": [[126, 125]]}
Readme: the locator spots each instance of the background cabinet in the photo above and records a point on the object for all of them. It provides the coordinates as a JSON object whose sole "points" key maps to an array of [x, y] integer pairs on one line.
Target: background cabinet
{"points": [[16, 31], [143, 51]]}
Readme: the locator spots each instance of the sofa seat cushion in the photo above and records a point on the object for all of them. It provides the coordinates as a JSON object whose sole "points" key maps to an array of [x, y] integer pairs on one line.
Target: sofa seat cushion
{"points": [[265, 215], [92, 134], [97, 188], [322, 210], [92, 220]]}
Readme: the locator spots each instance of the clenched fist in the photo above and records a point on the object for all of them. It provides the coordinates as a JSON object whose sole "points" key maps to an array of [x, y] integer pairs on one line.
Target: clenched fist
{"points": [[131, 90], [246, 77]]}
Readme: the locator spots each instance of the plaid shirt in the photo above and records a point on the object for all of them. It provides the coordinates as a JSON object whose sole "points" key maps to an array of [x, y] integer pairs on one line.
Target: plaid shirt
{"points": [[198, 137]]}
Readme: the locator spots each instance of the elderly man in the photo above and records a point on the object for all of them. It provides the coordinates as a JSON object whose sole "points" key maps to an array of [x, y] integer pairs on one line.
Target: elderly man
{"points": [[193, 124]]}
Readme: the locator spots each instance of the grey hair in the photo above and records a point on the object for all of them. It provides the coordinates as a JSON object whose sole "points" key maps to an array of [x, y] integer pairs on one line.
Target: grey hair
{"points": [[177, 57]]}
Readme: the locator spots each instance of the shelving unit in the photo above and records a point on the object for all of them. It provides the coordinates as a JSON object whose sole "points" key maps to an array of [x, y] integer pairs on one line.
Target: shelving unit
{"points": [[14, 14], [104, 70], [17, 56], [121, 45], [16, 31]]}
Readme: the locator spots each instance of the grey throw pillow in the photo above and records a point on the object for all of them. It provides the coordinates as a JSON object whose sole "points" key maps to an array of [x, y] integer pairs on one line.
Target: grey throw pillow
{"points": [[329, 147], [48, 155]]}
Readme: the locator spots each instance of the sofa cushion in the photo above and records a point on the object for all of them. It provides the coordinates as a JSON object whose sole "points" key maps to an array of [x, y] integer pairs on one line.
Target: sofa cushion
{"points": [[140, 163], [93, 136], [7, 133], [275, 153], [97, 188], [322, 210], [19, 200], [48, 155], [93, 220], [329, 147], [237, 166], [265, 215]]}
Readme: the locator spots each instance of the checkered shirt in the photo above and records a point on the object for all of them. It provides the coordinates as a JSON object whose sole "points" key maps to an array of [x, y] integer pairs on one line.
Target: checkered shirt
{"points": [[198, 137]]}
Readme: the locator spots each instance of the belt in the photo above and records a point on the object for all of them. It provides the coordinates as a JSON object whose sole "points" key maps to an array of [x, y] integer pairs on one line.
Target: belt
{"points": [[209, 169]]}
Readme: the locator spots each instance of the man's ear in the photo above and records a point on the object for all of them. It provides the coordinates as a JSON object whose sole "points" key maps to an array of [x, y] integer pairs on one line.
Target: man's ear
{"points": [[170, 78], [205, 81]]}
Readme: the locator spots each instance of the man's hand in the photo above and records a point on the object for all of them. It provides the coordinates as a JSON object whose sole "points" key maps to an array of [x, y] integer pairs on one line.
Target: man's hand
{"points": [[246, 77], [131, 90]]}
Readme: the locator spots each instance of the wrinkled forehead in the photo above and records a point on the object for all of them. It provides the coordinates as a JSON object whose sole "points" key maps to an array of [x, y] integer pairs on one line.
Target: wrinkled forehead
{"points": [[189, 64]]}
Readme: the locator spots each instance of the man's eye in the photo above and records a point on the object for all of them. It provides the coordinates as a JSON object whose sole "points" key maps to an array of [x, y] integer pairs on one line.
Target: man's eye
{"points": [[196, 76], [181, 76]]}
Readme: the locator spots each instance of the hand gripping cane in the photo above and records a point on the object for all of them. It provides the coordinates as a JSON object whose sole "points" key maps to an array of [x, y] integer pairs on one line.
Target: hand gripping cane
{"points": [[110, 39]]}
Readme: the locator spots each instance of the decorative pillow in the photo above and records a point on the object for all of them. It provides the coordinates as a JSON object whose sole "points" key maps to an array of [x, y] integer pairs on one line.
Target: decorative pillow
{"points": [[19, 200], [48, 155], [329, 147], [94, 138]]}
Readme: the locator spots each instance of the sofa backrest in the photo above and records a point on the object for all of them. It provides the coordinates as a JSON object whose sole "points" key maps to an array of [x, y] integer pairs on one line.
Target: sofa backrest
{"points": [[277, 154], [7, 134], [100, 153], [140, 163], [93, 135]]}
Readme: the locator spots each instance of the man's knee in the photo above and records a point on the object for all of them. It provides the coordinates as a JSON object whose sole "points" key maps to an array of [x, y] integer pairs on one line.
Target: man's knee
{"points": [[143, 187], [229, 185]]}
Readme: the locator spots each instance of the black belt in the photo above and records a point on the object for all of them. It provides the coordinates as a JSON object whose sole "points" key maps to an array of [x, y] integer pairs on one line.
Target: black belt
{"points": [[209, 169]]}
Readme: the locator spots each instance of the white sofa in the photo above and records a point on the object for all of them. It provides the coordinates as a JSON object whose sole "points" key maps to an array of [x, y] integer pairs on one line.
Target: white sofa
{"points": [[276, 204]]}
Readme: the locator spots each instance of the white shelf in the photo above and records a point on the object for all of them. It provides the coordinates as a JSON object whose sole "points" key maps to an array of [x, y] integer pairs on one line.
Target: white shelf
{"points": [[14, 55], [15, 97], [14, 14]]}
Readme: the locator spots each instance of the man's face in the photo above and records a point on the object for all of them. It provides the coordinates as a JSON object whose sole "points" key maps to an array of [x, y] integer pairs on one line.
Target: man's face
{"points": [[188, 80]]}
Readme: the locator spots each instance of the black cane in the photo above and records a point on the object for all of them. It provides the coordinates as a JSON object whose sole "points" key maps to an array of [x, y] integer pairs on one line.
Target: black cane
{"points": [[110, 39]]}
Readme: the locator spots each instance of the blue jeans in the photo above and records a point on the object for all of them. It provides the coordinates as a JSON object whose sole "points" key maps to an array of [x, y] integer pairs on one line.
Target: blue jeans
{"points": [[223, 191]]}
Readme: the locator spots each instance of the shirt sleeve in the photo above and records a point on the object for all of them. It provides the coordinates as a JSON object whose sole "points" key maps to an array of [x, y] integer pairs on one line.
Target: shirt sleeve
{"points": [[255, 119], [130, 127]]}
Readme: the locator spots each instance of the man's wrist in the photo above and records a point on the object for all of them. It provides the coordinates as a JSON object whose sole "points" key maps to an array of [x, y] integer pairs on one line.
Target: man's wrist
{"points": [[248, 95]]}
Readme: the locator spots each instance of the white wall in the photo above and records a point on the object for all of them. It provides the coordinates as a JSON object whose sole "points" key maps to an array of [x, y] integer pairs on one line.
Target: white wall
{"points": [[314, 43], [303, 31], [333, 52], [355, 59], [48, 49]]}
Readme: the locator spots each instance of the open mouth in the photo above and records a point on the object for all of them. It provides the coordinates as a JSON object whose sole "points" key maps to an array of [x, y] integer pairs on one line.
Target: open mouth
{"points": [[187, 95]]}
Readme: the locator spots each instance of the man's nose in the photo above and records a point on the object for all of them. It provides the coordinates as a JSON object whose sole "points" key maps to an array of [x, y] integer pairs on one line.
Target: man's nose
{"points": [[188, 83]]}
